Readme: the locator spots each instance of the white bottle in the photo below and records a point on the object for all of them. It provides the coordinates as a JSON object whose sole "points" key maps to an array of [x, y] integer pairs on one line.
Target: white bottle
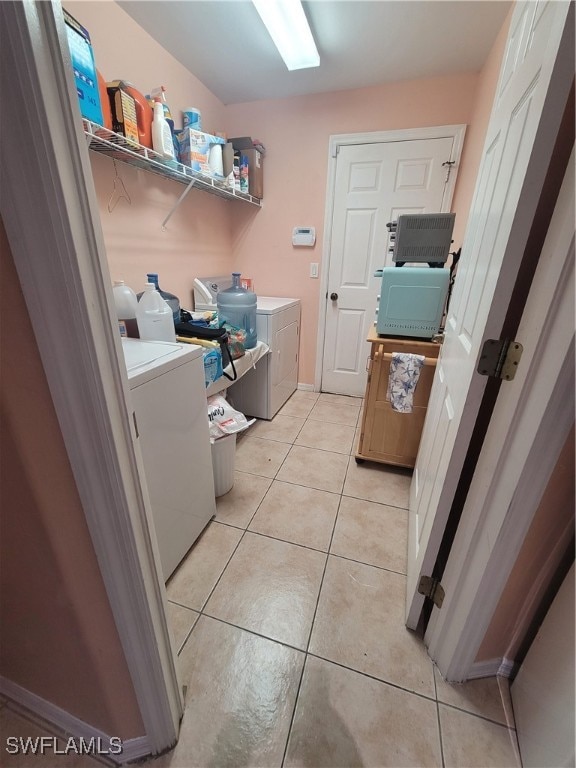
{"points": [[161, 134], [154, 316], [126, 306]]}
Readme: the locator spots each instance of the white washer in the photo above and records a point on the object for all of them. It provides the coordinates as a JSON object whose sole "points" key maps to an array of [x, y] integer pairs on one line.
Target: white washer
{"points": [[169, 399]]}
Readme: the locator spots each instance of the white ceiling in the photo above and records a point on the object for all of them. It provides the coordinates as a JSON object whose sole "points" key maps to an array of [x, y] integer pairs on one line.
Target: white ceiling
{"points": [[361, 42]]}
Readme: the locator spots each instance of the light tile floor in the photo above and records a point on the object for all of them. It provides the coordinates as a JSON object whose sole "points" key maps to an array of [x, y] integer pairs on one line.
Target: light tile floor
{"points": [[288, 617]]}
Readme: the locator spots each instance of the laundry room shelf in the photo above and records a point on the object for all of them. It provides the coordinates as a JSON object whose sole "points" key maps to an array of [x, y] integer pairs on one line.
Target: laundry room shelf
{"points": [[114, 145]]}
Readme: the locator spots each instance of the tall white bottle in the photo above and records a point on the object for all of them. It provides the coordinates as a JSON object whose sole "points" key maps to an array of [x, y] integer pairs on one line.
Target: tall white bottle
{"points": [[126, 305], [154, 316], [161, 134]]}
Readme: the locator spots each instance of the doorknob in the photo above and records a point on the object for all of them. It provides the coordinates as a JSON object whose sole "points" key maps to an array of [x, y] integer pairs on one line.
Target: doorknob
{"points": [[334, 296]]}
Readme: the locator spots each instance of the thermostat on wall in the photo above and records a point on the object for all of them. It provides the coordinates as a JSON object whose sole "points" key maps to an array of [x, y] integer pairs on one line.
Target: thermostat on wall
{"points": [[304, 236]]}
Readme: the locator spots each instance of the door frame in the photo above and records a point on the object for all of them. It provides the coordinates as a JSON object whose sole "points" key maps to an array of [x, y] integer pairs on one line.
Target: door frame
{"points": [[532, 420], [455, 132], [53, 225]]}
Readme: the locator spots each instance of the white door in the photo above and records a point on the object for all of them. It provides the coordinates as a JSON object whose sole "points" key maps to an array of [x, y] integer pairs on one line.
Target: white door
{"points": [[520, 139], [374, 184], [528, 429], [543, 691]]}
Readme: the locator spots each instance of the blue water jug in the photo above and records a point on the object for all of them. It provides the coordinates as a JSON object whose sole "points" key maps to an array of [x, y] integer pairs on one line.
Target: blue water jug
{"points": [[237, 306]]}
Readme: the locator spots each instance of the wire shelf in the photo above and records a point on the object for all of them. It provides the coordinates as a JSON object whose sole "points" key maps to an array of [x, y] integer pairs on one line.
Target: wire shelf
{"points": [[114, 145]]}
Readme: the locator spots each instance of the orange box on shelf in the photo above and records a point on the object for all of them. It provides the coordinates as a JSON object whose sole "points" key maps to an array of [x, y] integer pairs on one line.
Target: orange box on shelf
{"points": [[123, 109]]}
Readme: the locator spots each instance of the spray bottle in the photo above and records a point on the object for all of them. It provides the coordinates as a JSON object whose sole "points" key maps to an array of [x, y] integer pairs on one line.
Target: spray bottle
{"points": [[161, 133], [159, 94]]}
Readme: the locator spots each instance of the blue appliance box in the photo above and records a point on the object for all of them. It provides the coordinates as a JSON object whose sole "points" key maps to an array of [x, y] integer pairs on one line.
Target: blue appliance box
{"points": [[85, 75], [412, 301]]}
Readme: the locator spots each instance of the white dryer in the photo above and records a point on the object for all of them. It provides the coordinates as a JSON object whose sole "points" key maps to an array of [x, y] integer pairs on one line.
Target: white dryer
{"points": [[264, 389], [169, 399]]}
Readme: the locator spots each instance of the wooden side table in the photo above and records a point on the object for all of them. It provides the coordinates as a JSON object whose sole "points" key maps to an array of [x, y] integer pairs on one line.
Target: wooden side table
{"points": [[388, 436]]}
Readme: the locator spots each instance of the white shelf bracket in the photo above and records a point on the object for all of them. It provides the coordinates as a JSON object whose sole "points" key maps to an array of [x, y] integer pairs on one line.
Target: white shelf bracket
{"points": [[176, 204]]}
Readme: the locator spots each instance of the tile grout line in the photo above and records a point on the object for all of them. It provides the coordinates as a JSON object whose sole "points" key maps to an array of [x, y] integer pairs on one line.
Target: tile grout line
{"points": [[254, 633], [205, 603], [381, 680], [438, 719], [476, 714], [300, 445], [306, 546], [349, 456], [369, 565], [306, 652], [336, 493]]}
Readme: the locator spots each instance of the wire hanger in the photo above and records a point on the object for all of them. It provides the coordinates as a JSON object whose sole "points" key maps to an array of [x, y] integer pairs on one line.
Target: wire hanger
{"points": [[119, 190]]}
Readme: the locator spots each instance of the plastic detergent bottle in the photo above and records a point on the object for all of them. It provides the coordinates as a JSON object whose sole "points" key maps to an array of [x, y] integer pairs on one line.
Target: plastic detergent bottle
{"points": [[161, 133], [237, 306], [126, 306], [154, 316], [172, 301]]}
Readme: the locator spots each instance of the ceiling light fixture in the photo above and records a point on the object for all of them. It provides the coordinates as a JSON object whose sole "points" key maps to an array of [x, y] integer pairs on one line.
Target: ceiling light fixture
{"points": [[286, 22]]}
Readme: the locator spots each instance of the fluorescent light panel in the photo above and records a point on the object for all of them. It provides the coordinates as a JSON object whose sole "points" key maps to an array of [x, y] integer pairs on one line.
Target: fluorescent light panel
{"points": [[286, 22]]}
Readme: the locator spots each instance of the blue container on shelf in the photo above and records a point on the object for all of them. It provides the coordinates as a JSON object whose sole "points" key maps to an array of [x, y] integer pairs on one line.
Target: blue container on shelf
{"points": [[237, 306], [84, 68]]}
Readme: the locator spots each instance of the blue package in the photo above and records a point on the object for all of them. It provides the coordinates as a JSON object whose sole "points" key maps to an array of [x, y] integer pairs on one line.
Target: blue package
{"points": [[212, 365], [85, 74]]}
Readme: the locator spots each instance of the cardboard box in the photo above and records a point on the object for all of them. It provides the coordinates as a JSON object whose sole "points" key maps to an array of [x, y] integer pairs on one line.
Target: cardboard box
{"points": [[194, 149], [242, 142], [123, 106], [245, 146], [255, 172], [85, 75]]}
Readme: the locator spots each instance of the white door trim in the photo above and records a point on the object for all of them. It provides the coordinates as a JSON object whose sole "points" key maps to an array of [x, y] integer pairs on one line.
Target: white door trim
{"points": [[530, 423], [456, 132], [52, 220]]}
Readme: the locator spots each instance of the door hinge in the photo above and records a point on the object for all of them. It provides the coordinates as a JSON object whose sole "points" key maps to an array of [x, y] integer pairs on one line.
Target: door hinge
{"points": [[448, 165], [135, 424], [431, 588], [499, 358]]}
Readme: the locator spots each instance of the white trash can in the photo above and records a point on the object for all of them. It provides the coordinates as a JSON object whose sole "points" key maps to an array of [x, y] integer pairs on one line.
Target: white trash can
{"points": [[223, 453]]}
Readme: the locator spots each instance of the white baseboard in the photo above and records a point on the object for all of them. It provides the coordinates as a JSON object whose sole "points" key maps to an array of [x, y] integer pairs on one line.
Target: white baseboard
{"points": [[501, 667], [66, 724], [306, 387]]}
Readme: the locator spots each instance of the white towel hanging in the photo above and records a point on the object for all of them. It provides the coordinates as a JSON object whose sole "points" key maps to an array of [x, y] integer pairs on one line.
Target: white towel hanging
{"points": [[404, 374]]}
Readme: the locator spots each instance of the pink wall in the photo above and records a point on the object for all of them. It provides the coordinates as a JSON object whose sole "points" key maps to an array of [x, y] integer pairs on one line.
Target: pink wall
{"points": [[209, 236], [59, 639], [198, 238], [296, 135]]}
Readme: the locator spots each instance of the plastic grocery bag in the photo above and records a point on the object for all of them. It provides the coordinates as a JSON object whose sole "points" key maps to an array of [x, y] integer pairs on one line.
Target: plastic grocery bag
{"points": [[223, 419]]}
